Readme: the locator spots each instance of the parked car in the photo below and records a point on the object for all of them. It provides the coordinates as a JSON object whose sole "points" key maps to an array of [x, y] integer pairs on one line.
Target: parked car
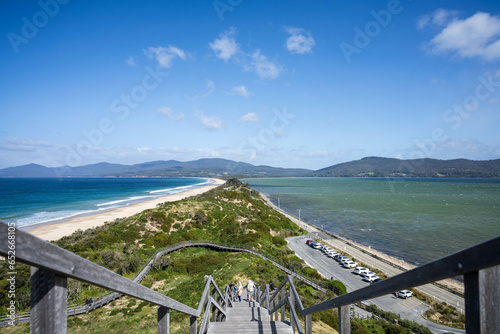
{"points": [[369, 278], [405, 294], [368, 273], [345, 259], [360, 270], [378, 279], [350, 264], [308, 242], [341, 257], [331, 254], [317, 245]]}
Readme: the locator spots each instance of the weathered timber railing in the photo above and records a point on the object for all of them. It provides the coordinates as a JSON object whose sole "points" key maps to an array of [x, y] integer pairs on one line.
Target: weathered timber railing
{"points": [[109, 297], [51, 266], [479, 264]]}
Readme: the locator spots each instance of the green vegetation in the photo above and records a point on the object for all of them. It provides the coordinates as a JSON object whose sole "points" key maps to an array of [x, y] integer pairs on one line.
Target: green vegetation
{"points": [[232, 213]]}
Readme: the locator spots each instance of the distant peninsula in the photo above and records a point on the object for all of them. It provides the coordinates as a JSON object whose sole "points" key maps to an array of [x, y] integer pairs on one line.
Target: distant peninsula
{"points": [[222, 168]]}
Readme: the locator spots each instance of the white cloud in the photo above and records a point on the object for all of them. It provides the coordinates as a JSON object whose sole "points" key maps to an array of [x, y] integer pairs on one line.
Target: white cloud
{"points": [[265, 69], [165, 55], [250, 117], [176, 116], [476, 36], [299, 42], [130, 61], [225, 46], [440, 17], [240, 91], [210, 123], [23, 144]]}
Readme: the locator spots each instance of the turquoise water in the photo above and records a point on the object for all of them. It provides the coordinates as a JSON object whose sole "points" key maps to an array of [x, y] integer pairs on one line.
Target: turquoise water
{"points": [[30, 201], [417, 220]]}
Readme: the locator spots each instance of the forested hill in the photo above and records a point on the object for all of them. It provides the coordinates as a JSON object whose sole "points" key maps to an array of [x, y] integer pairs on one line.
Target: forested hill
{"points": [[222, 168], [389, 167]]}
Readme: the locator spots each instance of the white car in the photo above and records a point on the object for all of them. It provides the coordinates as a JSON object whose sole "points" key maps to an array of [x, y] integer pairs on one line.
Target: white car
{"points": [[405, 294], [368, 273], [369, 278], [350, 264], [344, 259], [331, 254], [360, 270]]}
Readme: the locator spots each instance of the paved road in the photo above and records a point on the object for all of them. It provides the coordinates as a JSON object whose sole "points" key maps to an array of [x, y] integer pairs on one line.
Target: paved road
{"points": [[432, 290], [411, 309]]}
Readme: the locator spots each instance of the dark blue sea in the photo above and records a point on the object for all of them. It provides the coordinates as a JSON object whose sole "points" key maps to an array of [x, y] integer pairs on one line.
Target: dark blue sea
{"points": [[30, 201]]}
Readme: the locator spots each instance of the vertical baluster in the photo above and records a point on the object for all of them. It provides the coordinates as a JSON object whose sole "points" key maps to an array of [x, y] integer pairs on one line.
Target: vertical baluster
{"points": [[48, 302], [283, 296], [472, 317], [344, 320], [490, 299], [292, 303], [214, 309], [163, 320], [192, 325], [308, 323]]}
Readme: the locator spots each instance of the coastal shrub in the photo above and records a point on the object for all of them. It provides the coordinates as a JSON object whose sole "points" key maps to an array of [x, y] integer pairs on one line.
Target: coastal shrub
{"points": [[311, 272], [336, 286], [279, 241]]}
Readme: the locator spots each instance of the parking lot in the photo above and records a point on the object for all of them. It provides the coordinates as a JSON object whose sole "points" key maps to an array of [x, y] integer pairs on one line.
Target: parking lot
{"points": [[410, 308]]}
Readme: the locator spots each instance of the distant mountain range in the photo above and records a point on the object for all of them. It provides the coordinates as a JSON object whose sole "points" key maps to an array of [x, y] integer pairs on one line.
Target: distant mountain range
{"points": [[388, 167], [366, 167]]}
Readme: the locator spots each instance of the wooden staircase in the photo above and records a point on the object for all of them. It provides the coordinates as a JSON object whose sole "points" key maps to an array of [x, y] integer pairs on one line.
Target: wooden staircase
{"points": [[249, 317]]}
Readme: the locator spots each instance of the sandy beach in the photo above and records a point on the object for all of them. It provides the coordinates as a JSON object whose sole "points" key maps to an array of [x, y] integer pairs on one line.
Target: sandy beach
{"points": [[57, 230]]}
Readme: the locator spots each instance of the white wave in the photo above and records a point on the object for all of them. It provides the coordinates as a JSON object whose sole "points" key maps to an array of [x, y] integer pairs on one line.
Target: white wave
{"points": [[45, 217], [129, 199], [169, 190]]}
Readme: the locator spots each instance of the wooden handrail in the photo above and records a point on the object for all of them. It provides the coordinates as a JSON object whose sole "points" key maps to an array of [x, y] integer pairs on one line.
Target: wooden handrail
{"points": [[479, 265], [482, 314]]}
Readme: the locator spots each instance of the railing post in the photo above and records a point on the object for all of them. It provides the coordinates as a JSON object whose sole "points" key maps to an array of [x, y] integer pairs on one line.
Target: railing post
{"points": [[308, 324], [192, 325], [292, 303], [271, 306], [490, 299], [214, 309], [472, 316], [48, 302], [283, 296], [344, 320], [163, 320]]}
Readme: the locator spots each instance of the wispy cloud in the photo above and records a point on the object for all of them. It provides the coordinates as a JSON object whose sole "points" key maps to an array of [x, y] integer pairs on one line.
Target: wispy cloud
{"points": [[240, 91], [23, 144], [440, 17], [130, 61], [212, 123], [225, 46], [299, 42], [264, 68], [476, 36], [165, 55], [250, 117], [176, 116]]}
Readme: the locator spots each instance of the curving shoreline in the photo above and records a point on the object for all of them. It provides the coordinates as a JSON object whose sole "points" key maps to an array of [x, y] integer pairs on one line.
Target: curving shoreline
{"points": [[58, 229], [453, 284]]}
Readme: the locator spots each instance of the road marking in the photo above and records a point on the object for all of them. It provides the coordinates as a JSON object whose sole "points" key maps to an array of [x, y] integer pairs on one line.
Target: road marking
{"points": [[410, 303]]}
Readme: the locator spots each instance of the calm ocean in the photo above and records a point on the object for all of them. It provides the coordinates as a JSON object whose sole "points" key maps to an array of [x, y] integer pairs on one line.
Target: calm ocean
{"points": [[417, 220], [29, 201]]}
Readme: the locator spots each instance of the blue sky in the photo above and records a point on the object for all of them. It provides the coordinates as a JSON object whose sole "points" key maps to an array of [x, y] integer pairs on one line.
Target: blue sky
{"points": [[282, 83]]}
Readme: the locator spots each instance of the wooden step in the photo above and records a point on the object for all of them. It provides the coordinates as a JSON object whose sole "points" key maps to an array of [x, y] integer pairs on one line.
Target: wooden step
{"points": [[248, 317], [253, 327]]}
